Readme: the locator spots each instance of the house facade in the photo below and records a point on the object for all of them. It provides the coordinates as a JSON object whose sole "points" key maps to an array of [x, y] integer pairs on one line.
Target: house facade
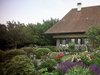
{"points": [[73, 26]]}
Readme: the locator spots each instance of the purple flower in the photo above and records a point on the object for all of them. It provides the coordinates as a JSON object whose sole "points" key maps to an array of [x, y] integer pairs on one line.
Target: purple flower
{"points": [[95, 69], [64, 66]]}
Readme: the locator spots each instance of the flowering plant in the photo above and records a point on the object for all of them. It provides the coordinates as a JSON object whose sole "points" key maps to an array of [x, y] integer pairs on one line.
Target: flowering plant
{"points": [[59, 55]]}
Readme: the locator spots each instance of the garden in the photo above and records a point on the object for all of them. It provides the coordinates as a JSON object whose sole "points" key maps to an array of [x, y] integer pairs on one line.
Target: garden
{"points": [[49, 61]]}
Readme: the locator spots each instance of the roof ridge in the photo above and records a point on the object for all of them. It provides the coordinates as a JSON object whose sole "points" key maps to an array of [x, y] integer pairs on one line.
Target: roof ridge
{"points": [[88, 7]]}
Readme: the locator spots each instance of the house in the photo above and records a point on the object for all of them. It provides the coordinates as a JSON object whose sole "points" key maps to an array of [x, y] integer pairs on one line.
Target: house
{"points": [[72, 27]]}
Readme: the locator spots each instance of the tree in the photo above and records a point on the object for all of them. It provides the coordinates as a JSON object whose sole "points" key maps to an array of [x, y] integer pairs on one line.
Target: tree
{"points": [[3, 36], [93, 35], [38, 30], [16, 34]]}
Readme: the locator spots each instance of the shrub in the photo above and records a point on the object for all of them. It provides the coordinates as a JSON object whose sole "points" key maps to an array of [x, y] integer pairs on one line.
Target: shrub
{"points": [[1, 55], [78, 70], [44, 71], [96, 54], [42, 51], [71, 47], [96, 58], [19, 65], [29, 50], [50, 73], [52, 48], [63, 67], [11, 53], [1, 68], [59, 55], [49, 64], [85, 60], [53, 54]]}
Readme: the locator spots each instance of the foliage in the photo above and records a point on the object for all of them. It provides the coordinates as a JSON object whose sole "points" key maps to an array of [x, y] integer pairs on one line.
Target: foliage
{"points": [[17, 35], [2, 53], [96, 58], [29, 50], [95, 70], [44, 71], [77, 70], [11, 53], [71, 47], [59, 55], [52, 73], [52, 48], [3, 36], [93, 35], [75, 58], [42, 51], [19, 65], [85, 60], [63, 67], [49, 64], [52, 54]]}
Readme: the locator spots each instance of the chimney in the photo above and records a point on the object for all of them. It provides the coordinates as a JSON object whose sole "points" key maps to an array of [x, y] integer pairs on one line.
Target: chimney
{"points": [[79, 6]]}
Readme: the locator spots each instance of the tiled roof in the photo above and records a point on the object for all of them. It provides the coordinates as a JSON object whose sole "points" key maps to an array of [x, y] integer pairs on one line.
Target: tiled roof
{"points": [[77, 21]]}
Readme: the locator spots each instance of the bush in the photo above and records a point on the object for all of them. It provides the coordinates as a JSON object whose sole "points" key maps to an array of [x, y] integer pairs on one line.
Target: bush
{"points": [[44, 71], [52, 48], [11, 53], [85, 60], [29, 50], [1, 61], [96, 59], [19, 65], [64, 67], [78, 70], [51, 73], [1, 68], [42, 51], [53, 54], [1, 55], [71, 47], [49, 64]]}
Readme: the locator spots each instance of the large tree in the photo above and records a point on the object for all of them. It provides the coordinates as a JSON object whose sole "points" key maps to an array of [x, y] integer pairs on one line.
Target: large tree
{"points": [[3, 36], [16, 34], [93, 35]]}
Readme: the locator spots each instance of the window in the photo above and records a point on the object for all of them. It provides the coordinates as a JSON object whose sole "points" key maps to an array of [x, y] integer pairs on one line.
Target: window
{"points": [[68, 41], [82, 41], [76, 41]]}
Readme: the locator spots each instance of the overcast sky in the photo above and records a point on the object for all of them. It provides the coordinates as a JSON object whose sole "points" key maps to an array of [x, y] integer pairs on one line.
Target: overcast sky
{"points": [[33, 11]]}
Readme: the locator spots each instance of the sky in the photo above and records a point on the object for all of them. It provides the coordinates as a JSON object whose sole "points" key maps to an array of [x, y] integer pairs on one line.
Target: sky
{"points": [[33, 11]]}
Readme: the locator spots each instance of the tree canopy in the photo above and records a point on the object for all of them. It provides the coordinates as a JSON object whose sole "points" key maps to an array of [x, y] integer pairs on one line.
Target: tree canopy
{"points": [[16, 34], [93, 35]]}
